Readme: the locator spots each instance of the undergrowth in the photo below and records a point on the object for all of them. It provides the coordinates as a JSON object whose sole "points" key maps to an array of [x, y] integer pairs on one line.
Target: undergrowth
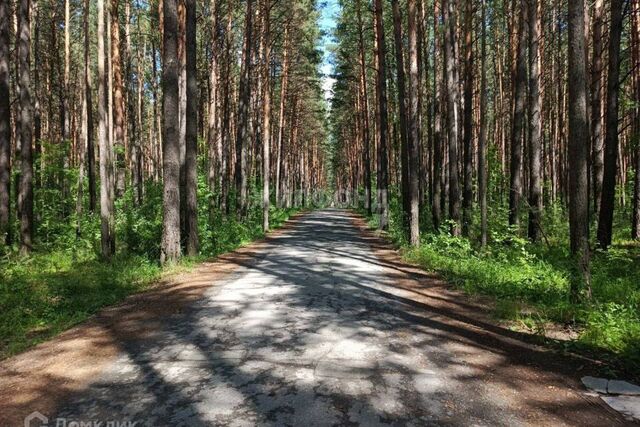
{"points": [[65, 281], [530, 283]]}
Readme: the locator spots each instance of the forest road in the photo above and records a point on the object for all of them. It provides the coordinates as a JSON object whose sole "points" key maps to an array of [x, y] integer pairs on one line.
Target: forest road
{"points": [[322, 324]]}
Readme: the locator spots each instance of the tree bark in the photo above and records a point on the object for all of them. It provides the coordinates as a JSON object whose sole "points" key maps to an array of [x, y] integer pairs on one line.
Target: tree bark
{"points": [[66, 113], [535, 122], [282, 116], [382, 128], [402, 109], [212, 134], [578, 149], [453, 112], [467, 195], [517, 127], [607, 204], [438, 155], [596, 104], [482, 138], [5, 124], [635, 54], [25, 191], [170, 251], [242, 136], [90, 154], [107, 193], [266, 112], [118, 99], [364, 94], [191, 156], [414, 126]]}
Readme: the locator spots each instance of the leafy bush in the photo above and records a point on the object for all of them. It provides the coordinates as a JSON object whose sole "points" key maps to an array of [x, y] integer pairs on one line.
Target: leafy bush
{"points": [[65, 281], [531, 282]]}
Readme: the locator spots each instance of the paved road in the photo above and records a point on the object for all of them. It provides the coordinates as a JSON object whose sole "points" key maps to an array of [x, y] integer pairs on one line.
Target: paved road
{"points": [[316, 331]]}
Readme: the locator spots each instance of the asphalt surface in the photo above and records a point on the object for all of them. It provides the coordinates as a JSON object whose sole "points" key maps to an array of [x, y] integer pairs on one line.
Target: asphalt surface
{"points": [[316, 332]]}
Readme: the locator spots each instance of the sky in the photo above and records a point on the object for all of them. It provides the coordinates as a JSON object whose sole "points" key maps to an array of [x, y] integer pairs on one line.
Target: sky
{"points": [[329, 11]]}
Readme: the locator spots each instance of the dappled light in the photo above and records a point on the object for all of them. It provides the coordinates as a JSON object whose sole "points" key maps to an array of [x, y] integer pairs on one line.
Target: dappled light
{"points": [[317, 330]]}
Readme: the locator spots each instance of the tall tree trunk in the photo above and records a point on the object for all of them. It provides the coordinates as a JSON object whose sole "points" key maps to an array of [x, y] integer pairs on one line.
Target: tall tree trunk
{"points": [[482, 138], [66, 113], [118, 99], [596, 104], [635, 55], [414, 126], [182, 112], [535, 122], [517, 126], [453, 111], [282, 115], [607, 205], [364, 95], [402, 108], [242, 136], [382, 128], [212, 134], [170, 251], [191, 156], [37, 109], [266, 111], [5, 124], [467, 195], [578, 148], [25, 192], [438, 155], [90, 154], [107, 193]]}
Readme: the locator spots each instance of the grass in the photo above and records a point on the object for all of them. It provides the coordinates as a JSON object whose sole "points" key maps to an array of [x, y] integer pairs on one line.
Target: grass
{"points": [[55, 289], [530, 284]]}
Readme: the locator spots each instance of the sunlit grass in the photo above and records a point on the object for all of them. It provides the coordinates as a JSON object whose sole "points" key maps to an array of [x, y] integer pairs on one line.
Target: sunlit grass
{"points": [[63, 284], [530, 282]]}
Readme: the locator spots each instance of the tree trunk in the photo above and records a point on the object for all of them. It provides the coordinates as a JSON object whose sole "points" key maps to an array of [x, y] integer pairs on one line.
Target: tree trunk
{"points": [[596, 104], [5, 124], [170, 251], [482, 139], [364, 94], [266, 112], [107, 194], [635, 54], [90, 154], [607, 205], [517, 126], [467, 195], [242, 136], [25, 192], [212, 134], [535, 122], [578, 148], [282, 117], [118, 99], [436, 205], [453, 111], [191, 154], [402, 109], [382, 128], [66, 113], [414, 126]]}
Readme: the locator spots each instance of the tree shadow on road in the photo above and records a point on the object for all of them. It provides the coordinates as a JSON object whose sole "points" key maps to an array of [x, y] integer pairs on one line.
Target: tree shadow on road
{"points": [[312, 328]]}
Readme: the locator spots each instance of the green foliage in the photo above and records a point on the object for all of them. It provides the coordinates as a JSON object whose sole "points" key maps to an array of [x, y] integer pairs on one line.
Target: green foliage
{"points": [[530, 282], [49, 292], [64, 281]]}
